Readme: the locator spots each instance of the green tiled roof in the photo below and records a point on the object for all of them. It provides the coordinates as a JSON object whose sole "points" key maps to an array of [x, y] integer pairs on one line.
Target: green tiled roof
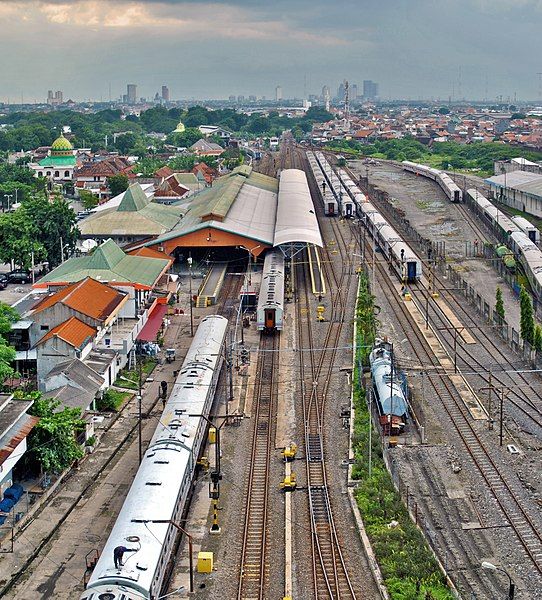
{"points": [[134, 199], [57, 161], [108, 263]]}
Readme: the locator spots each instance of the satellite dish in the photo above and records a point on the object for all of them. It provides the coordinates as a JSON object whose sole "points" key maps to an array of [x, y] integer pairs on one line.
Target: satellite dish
{"points": [[89, 244]]}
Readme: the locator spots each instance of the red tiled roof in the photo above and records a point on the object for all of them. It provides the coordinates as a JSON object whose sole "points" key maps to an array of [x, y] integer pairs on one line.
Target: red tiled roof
{"points": [[106, 168], [164, 172], [22, 429], [89, 297], [73, 332]]}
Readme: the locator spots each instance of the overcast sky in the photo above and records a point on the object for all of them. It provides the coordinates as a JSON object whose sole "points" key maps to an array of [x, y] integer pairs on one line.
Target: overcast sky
{"points": [[200, 49]]}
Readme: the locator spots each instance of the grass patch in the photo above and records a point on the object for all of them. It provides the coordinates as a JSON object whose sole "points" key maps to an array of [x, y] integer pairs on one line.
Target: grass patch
{"points": [[132, 375], [112, 400], [408, 566]]}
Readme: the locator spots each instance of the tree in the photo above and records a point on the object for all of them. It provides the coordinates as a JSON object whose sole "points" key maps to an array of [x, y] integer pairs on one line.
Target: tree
{"points": [[117, 184], [18, 239], [88, 199], [52, 444], [444, 110], [499, 304], [8, 315], [526, 316], [538, 338], [56, 229], [185, 139]]}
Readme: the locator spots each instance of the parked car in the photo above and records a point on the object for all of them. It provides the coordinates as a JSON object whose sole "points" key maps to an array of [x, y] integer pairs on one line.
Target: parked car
{"points": [[19, 276]]}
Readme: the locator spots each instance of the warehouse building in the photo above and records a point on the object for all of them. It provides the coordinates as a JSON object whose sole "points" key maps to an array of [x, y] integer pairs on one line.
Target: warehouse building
{"points": [[521, 190]]}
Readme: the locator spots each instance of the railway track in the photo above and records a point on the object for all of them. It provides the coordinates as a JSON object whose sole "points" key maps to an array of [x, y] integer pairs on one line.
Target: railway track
{"points": [[506, 492], [330, 575], [254, 567]]}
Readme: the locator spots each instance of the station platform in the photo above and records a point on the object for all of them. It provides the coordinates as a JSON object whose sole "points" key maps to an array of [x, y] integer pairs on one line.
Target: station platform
{"points": [[211, 286], [318, 283]]}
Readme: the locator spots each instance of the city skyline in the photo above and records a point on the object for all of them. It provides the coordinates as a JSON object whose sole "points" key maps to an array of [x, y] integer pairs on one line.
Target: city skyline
{"points": [[414, 50]]}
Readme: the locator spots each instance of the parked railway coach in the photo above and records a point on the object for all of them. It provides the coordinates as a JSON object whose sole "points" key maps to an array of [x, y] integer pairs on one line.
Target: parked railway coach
{"points": [[530, 258], [327, 193], [447, 184], [528, 228], [163, 482], [405, 263], [269, 315], [387, 385], [497, 220]]}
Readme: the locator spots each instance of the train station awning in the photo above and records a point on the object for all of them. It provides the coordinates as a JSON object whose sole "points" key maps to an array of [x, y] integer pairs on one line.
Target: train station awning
{"points": [[153, 324]]}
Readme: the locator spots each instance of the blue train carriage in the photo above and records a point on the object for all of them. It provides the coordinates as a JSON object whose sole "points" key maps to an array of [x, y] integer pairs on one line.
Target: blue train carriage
{"points": [[270, 311], [137, 555], [389, 388]]}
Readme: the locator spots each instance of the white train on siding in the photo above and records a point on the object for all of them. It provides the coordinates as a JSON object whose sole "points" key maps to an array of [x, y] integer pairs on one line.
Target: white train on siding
{"points": [[405, 263], [163, 482], [327, 194], [517, 238], [270, 312], [447, 184], [528, 228]]}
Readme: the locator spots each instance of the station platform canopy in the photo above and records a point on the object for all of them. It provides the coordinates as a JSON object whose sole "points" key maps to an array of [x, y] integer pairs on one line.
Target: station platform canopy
{"points": [[296, 219]]}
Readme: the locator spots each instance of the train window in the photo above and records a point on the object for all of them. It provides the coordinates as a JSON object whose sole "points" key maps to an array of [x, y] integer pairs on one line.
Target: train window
{"points": [[153, 483], [161, 462]]}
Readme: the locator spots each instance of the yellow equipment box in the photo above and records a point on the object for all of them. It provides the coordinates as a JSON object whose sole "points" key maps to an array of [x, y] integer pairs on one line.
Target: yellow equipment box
{"points": [[205, 562], [212, 435]]}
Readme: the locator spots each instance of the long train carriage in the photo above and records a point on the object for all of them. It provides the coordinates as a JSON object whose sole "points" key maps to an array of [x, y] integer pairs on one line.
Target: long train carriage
{"points": [[405, 263], [530, 257], [348, 207], [497, 220], [448, 186], [163, 482], [528, 228], [329, 199], [269, 315]]}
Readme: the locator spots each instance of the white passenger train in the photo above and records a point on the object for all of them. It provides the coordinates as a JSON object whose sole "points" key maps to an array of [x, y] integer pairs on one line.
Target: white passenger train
{"points": [[405, 263], [447, 184], [518, 234], [269, 315], [163, 482], [329, 200]]}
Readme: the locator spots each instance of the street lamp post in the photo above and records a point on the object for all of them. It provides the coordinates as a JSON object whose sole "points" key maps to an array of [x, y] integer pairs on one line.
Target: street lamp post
{"points": [[511, 586]]}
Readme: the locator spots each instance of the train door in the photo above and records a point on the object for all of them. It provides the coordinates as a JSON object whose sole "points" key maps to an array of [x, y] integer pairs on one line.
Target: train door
{"points": [[330, 208], [269, 318], [411, 271], [349, 210], [457, 197], [532, 236]]}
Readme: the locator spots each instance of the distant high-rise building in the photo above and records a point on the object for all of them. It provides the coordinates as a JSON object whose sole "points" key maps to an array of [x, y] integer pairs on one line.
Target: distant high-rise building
{"points": [[56, 98], [252, 98], [353, 91], [165, 93], [326, 96], [370, 89], [231, 98], [240, 98], [278, 93], [131, 93], [341, 92]]}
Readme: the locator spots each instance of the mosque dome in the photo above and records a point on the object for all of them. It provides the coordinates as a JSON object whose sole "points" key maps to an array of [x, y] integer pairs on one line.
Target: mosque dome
{"points": [[61, 145], [180, 128]]}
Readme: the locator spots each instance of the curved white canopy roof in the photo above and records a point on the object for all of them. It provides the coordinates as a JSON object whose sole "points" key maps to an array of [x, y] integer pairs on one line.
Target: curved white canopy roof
{"points": [[296, 218]]}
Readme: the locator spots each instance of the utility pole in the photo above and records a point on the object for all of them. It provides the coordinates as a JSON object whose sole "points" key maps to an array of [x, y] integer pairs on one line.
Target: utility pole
{"points": [[190, 292]]}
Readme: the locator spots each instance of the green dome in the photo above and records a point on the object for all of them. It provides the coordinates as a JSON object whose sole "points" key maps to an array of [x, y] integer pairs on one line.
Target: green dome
{"points": [[61, 144], [180, 128]]}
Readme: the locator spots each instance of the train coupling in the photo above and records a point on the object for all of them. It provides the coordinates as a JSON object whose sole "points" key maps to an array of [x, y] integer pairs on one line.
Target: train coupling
{"points": [[320, 313], [289, 483], [288, 453]]}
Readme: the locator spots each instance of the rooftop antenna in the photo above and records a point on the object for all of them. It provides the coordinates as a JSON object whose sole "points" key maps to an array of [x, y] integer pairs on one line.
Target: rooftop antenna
{"points": [[539, 86], [459, 84]]}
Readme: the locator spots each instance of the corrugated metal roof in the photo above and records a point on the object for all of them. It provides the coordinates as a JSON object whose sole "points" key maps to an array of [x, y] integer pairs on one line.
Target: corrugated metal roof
{"points": [[296, 219], [523, 181], [108, 263], [134, 199]]}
